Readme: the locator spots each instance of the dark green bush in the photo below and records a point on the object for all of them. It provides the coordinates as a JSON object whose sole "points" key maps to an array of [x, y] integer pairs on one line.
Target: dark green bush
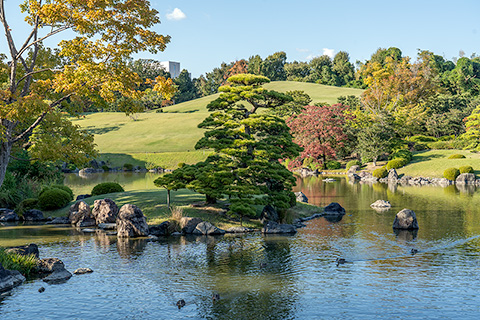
{"points": [[402, 153], [26, 204], [181, 164], [106, 187], [105, 168], [451, 173], [25, 264], [128, 167], [353, 163], [58, 186], [333, 165], [456, 156], [420, 146], [396, 163], [422, 138], [380, 173], [466, 169], [53, 198]]}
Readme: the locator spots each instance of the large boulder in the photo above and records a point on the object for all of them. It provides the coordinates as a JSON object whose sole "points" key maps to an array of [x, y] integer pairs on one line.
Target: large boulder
{"points": [[405, 219], [274, 227], [465, 178], [55, 270], [131, 222], [301, 197], [32, 248], [392, 175], [159, 230], [105, 211], [206, 228], [269, 214], [59, 220], [353, 169], [334, 209], [80, 215], [33, 215], [238, 230], [8, 215], [9, 279], [189, 224]]}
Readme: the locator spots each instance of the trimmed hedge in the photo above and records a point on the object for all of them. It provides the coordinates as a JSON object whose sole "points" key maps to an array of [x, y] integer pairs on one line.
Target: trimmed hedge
{"points": [[451, 173], [106, 187], [396, 163], [456, 156], [466, 169], [53, 198], [380, 173], [353, 163], [128, 167], [333, 165], [402, 153], [26, 204]]}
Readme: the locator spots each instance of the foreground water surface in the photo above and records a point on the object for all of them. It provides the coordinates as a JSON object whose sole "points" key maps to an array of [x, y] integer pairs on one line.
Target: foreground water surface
{"points": [[274, 277]]}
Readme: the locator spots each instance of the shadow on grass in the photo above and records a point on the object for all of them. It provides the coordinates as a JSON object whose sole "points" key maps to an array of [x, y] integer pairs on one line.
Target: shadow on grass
{"points": [[119, 159], [419, 157], [100, 131]]}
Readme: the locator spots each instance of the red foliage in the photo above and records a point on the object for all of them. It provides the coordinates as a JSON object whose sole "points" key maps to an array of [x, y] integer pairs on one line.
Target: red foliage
{"points": [[319, 130]]}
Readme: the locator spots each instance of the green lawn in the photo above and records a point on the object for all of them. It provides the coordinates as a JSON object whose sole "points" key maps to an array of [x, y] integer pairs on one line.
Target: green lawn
{"points": [[433, 163]]}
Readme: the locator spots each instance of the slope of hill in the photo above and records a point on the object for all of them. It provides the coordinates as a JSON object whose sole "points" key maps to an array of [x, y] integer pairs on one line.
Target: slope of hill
{"points": [[174, 131]]}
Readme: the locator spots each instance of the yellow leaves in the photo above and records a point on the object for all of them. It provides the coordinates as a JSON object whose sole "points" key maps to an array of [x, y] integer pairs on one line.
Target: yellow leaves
{"points": [[165, 87]]}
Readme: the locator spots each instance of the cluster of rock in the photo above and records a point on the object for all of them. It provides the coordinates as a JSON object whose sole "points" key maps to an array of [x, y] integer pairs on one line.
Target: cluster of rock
{"points": [[307, 172], [50, 270], [33, 215]]}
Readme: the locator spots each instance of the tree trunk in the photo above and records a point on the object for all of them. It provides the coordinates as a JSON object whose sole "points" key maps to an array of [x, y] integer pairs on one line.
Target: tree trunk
{"points": [[210, 200], [168, 198], [5, 149], [374, 161]]}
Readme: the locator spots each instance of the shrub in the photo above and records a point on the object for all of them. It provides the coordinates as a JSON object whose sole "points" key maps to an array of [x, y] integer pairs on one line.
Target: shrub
{"points": [[396, 163], [422, 138], [456, 156], [128, 166], [106, 187], [15, 188], [58, 186], [466, 169], [105, 168], [25, 264], [353, 163], [402, 153], [380, 173], [53, 198], [420, 146], [451, 173], [26, 204], [181, 164], [333, 165]]}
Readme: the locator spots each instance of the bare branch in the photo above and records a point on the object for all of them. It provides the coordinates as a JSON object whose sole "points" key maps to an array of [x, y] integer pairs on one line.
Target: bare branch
{"points": [[35, 72]]}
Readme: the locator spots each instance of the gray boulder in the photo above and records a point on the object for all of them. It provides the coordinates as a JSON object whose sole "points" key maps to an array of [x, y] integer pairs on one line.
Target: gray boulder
{"points": [[405, 219], [33, 215], [353, 176], [159, 230], [32, 248], [301, 197], [206, 228], [82, 196], [105, 211], [465, 178], [131, 222], [8, 215], [238, 230], [269, 214], [58, 276], [274, 227], [381, 204], [82, 271], [9, 279], [107, 226], [55, 269], [353, 169], [80, 215], [189, 224], [334, 209], [59, 220], [392, 175]]}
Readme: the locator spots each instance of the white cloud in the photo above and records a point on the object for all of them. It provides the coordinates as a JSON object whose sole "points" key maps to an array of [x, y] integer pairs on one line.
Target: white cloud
{"points": [[329, 52], [176, 14]]}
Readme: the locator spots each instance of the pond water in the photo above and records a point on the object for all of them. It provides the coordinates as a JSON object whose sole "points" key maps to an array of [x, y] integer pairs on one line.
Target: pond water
{"points": [[274, 277]]}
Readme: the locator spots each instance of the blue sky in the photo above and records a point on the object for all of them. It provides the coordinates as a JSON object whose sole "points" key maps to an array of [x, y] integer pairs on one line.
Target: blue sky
{"points": [[205, 33]]}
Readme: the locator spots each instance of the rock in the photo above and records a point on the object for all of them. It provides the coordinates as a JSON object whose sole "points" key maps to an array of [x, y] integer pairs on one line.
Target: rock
{"points": [[131, 222], [465, 178], [301, 197], [86, 171], [353, 169], [107, 226], [238, 230], [7, 215], [269, 214], [180, 303], [58, 276], [306, 172], [353, 176], [405, 219], [32, 248], [405, 180], [159, 230], [59, 220], [49, 265], [41, 289], [381, 204], [88, 230], [83, 271], [176, 234], [189, 224], [206, 228], [9, 279], [392, 175], [80, 215], [334, 209], [82, 196], [274, 227], [105, 211], [33, 215]]}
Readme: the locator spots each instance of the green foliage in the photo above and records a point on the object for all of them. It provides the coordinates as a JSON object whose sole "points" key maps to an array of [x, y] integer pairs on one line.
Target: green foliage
{"points": [[181, 164], [26, 204], [241, 209], [380, 173], [466, 169], [333, 165], [106, 187], [396, 163], [450, 144], [53, 198], [15, 188], [127, 166], [421, 138], [64, 188], [402, 153], [105, 168], [456, 156], [353, 163], [451, 173], [25, 264]]}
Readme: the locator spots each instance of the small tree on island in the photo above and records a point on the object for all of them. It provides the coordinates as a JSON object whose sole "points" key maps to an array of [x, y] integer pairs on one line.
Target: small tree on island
{"points": [[248, 146]]}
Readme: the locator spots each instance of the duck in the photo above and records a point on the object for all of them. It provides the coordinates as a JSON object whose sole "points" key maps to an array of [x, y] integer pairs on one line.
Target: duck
{"points": [[413, 251], [180, 303], [340, 261], [215, 297]]}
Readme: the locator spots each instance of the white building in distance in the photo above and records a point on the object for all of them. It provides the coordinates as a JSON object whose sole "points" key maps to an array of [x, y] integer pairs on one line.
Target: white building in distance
{"points": [[172, 67]]}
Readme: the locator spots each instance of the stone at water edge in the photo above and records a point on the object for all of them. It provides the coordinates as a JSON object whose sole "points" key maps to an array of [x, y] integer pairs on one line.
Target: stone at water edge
{"points": [[301, 197], [405, 219], [105, 211], [465, 178], [9, 279], [238, 230], [82, 271], [32, 248], [274, 227], [334, 209], [381, 204], [7, 215], [33, 215], [206, 228], [189, 224], [131, 222], [80, 215], [159, 230], [269, 214]]}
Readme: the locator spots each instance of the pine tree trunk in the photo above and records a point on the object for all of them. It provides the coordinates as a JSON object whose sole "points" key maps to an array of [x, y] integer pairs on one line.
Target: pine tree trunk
{"points": [[5, 149], [168, 198]]}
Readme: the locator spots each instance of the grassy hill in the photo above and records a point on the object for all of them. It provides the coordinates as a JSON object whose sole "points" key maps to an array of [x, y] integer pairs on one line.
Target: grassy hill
{"points": [[169, 137]]}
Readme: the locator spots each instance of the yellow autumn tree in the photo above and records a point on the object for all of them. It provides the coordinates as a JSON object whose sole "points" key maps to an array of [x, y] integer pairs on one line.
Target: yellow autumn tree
{"points": [[39, 86]]}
